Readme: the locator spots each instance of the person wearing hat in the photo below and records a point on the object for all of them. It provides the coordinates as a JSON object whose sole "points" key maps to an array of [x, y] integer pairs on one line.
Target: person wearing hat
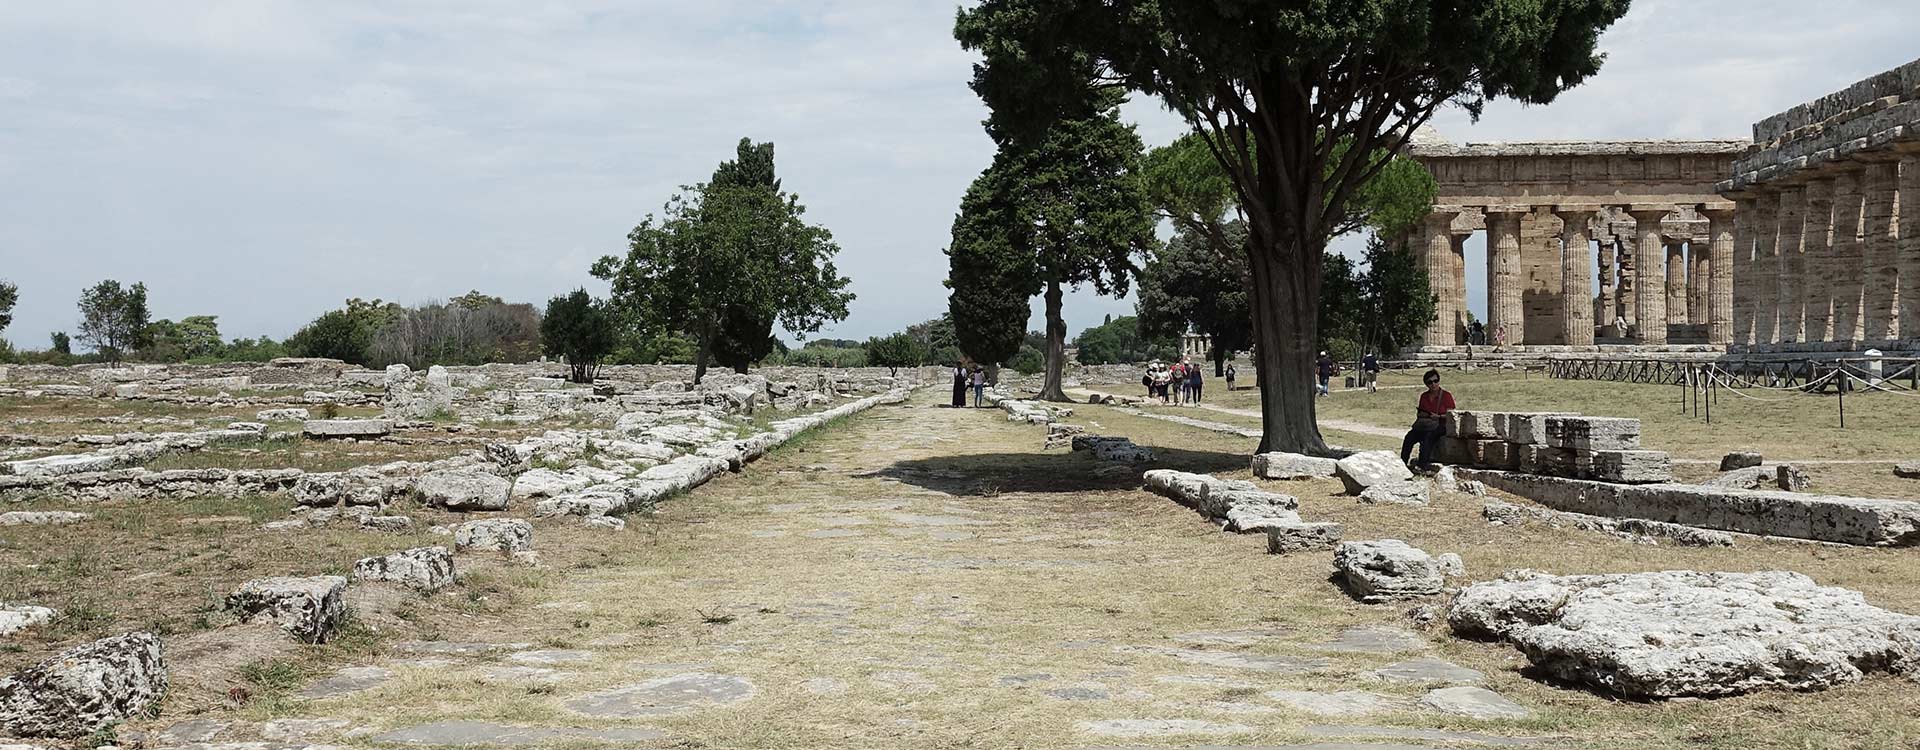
{"points": [[1325, 367]]}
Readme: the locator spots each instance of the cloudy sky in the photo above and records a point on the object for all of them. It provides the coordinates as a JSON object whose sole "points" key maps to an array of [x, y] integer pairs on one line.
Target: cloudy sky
{"points": [[262, 160]]}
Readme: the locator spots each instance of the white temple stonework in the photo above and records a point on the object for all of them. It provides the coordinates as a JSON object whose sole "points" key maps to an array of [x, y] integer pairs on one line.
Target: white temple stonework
{"points": [[1829, 260]]}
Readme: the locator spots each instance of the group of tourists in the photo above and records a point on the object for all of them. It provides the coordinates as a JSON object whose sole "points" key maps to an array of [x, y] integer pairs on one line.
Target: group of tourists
{"points": [[964, 376], [1326, 368], [1180, 383]]}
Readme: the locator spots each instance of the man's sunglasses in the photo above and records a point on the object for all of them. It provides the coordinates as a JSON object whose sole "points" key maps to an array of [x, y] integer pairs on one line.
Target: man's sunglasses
{"points": [[1433, 381]]}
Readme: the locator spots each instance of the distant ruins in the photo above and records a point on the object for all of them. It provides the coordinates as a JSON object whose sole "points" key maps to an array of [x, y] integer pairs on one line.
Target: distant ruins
{"points": [[1803, 250], [1828, 256], [1546, 206]]}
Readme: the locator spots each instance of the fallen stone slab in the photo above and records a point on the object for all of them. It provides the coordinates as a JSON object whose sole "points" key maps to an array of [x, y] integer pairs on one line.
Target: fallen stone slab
{"points": [[1281, 465], [1342, 703], [1634, 529], [83, 689], [1474, 703], [17, 617], [1687, 633], [282, 415], [41, 517], [1845, 520], [1790, 478], [663, 696], [1368, 468], [1740, 460], [1386, 570], [1374, 639], [494, 535], [1428, 671], [423, 569], [307, 608], [488, 734], [1116, 449], [464, 489], [1287, 538], [1401, 492], [1744, 478], [346, 682], [346, 428], [1907, 470], [1362, 731]]}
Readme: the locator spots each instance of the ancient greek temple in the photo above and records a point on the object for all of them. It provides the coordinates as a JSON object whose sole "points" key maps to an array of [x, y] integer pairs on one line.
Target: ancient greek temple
{"points": [[1826, 245], [1639, 220]]}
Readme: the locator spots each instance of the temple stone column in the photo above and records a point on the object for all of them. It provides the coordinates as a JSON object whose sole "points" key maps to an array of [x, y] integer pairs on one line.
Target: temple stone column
{"points": [[1649, 296], [1576, 292], [1607, 306], [1816, 246], [1764, 278], [1720, 254], [1697, 272], [1436, 241], [1791, 219], [1504, 309], [1676, 280], [1880, 270], [1744, 208], [1460, 286], [1847, 286], [1909, 249], [1627, 281]]}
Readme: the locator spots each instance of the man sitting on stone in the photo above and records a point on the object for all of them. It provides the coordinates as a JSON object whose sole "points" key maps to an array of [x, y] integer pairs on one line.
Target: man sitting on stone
{"points": [[1431, 423]]}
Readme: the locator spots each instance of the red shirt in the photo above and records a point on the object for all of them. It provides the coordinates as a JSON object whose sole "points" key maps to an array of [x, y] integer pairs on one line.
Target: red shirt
{"points": [[1437, 404]]}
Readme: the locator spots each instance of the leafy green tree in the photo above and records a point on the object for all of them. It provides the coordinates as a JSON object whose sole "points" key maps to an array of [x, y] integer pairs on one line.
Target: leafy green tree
{"points": [[336, 334], [725, 261], [895, 351], [1077, 206], [1301, 104], [1397, 300], [1340, 304], [579, 329], [938, 338], [1188, 285], [62, 343], [1027, 361], [254, 350], [9, 295], [193, 337], [474, 300], [991, 279], [113, 319], [1118, 341]]}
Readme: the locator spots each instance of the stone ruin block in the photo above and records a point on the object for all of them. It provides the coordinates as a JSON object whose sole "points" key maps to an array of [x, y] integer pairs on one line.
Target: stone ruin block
{"points": [[1593, 433], [1300, 537], [1471, 424], [1530, 428], [1542, 459], [307, 608], [424, 569], [1687, 633], [1279, 465], [1368, 468], [494, 534], [1740, 460], [1632, 467], [346, 428], [84, 689], [1455, 450], [1387, 570]]}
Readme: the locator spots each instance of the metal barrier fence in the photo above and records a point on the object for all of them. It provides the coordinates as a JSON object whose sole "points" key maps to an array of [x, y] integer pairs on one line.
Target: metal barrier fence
{"points": [[1701, 383]]}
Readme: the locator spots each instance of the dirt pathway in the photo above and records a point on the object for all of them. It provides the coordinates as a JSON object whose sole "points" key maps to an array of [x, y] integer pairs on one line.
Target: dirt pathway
{"points": [[916, 577]]}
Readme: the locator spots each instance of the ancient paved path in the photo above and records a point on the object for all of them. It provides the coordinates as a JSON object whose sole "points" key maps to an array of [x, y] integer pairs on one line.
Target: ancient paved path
{"points": [[921, 577]]}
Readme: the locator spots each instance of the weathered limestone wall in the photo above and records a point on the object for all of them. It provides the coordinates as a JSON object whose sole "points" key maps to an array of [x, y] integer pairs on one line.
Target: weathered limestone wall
{"points": [[1835, 265]]}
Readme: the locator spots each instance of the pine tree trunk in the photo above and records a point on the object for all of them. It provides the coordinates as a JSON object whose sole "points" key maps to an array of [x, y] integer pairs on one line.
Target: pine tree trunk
{"points": [[1284, 318], [1056, 345], [1219, 360]]}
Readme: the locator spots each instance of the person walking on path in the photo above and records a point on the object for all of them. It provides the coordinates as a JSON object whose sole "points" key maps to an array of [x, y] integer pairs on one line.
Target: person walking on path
{"points": [[1370, 369], [1431, 421], [1325, 367], [1195, 380], [1230, 377], [959, 385], [979, 386]]}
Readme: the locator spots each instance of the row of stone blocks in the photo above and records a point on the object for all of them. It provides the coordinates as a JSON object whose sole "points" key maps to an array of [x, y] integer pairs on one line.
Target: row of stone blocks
{"points": [[1559, 444]]}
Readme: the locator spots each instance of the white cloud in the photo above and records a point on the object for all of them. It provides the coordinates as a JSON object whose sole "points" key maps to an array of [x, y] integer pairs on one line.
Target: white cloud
{"points": [[263, 159]]}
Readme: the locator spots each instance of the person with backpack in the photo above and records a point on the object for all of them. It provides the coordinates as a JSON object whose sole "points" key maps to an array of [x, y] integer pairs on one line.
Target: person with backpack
{"points": [[1195, 380], [1325, 368], [1230, 374], [1370, 370]]}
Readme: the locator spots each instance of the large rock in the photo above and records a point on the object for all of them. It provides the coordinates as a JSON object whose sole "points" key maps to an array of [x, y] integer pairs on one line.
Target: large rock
{"points": [[1678, 633], [1301, 536], [346, 428], [1385, 570], [1281, 465], [1368, 468], [464, 489], [41, 517], [1744, 478], [83, 689], [282, 415], [307, 608], [1740, 460], [17, 617], [1401, 492], [494, 534], [1907, 470], [1790, 478], [425, 569]]}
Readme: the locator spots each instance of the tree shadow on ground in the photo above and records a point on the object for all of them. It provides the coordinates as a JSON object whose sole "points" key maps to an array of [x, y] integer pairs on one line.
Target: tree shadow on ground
{"points": [[993, 473]]}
